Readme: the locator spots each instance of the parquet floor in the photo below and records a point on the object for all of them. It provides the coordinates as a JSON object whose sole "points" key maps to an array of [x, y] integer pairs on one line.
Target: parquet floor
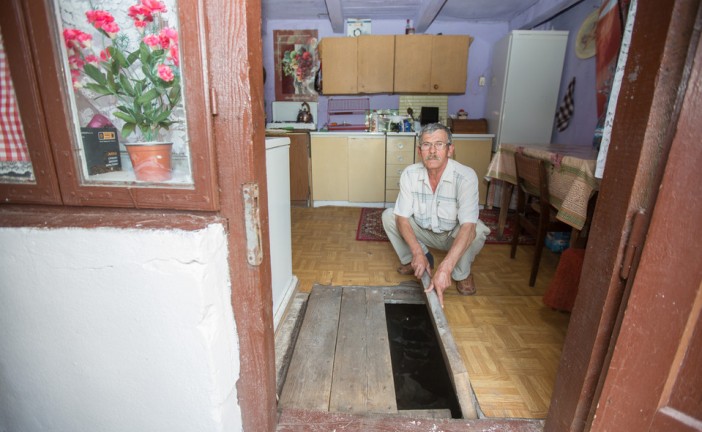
{"points": [[510, 342]]}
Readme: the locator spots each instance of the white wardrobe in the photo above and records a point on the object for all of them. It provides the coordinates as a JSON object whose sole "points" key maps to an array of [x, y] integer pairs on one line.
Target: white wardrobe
{"points": [[526, 75]]}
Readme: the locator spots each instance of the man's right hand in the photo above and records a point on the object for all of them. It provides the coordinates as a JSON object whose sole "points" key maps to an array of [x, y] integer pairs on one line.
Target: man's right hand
{"points": [[420, 263]]}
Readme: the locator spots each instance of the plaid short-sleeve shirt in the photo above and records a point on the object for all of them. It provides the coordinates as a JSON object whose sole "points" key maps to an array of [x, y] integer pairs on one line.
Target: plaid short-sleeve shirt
{"points": [[454, 202]]}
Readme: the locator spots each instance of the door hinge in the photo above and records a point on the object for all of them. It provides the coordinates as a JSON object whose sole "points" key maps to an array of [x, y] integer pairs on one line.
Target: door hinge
{"points": [[252, 221], [213, 101], [635, 243]]}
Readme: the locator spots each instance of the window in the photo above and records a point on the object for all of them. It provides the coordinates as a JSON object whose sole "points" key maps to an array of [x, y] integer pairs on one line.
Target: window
{"points": [[104, 75]]}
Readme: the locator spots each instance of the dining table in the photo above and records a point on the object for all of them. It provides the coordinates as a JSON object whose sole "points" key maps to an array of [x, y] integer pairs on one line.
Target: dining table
{"points": [[571, 180]]}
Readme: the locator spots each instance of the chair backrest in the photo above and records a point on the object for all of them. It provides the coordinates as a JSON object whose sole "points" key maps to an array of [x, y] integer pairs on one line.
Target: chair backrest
{"points": [[531, 176]]}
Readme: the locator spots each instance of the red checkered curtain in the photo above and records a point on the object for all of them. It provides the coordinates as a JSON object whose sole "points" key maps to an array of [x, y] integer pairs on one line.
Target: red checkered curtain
{"points": [[13, 147]]}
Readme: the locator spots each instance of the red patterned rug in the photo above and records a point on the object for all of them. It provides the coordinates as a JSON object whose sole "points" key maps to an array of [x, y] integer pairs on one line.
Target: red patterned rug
{"points": [[370, 227]]}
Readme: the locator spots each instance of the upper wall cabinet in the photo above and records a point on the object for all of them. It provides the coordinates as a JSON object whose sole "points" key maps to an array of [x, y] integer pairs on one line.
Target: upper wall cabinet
{"points": [[353, 65], [431, 64], [375, 70]]}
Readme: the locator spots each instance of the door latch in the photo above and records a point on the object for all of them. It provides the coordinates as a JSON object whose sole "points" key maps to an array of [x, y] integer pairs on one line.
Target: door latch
{"points": [[252, 220]]}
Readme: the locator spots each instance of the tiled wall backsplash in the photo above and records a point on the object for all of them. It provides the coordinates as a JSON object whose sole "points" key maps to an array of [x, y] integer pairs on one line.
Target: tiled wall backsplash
{"points": [[417, 102]]}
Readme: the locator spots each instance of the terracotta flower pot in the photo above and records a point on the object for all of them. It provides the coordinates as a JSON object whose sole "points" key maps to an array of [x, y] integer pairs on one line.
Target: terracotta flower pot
{"points": [[151, 161]]}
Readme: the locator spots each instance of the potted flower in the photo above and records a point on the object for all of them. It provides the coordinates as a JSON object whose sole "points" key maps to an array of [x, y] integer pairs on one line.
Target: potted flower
{"points": [[144, 82]]}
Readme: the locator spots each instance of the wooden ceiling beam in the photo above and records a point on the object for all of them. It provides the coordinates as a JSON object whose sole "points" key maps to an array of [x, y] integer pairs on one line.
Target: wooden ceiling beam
{"points": [[336, 17], [426, 14]]}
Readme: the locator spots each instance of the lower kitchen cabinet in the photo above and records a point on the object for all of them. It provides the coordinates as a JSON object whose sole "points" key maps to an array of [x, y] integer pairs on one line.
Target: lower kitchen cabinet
{"points": [[400, 153], [366, 169], [348, 167], [299, 169], [475, 151], [330, 168]]}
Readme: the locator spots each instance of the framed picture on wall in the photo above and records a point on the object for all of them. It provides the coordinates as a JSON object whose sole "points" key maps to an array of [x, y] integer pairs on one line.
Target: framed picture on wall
{"points": [[296, 64]]}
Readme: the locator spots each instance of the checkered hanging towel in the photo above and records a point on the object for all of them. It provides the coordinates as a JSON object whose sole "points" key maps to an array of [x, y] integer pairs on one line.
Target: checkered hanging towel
{"points": [[565, 111], [12, 143]]}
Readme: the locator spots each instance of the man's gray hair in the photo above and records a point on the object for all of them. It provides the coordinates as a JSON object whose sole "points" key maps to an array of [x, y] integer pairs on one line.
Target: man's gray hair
{"points": [[433, 127]]}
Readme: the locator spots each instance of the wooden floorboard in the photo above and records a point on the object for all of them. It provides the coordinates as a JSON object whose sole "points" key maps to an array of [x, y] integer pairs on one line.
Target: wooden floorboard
{"points": [[509, 341], [316, 421], [309, 378], [363, 380]]}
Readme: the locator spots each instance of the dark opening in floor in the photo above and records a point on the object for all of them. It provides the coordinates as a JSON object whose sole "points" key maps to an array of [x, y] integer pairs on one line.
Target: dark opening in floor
{"points": [[421, 379]]}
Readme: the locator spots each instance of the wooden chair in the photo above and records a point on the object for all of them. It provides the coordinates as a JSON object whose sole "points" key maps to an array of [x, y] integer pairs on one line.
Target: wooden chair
{"points": [[532, 197]]}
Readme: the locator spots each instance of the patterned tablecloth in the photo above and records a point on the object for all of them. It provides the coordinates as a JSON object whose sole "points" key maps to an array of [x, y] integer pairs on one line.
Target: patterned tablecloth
{"points": [[571, 175]]}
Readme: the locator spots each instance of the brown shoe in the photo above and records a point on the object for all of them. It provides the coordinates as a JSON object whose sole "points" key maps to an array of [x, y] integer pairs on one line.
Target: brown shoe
{"points": [[466, 286], [406, 269]]}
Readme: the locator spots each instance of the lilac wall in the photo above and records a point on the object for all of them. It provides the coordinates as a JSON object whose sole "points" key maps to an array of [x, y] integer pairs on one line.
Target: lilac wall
{"points": [[581, 128], [485, 35]]}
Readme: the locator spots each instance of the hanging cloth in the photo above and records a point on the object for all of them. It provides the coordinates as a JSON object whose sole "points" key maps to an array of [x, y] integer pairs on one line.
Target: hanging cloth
{"points": [[565, 111]]}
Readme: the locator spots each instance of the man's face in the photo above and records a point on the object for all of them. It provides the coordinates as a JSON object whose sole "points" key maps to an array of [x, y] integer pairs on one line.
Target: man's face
{"points": [[432, 156]]}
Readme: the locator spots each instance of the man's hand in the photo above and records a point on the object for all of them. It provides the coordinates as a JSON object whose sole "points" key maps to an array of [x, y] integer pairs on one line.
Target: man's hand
{"points": [[419, 264], [440, 281]]}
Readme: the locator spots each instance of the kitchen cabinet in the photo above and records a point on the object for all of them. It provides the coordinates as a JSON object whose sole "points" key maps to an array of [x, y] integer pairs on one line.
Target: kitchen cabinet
{"points": [[330, 168], [299, 169], [353, 65], [348, 167], [366, 157], [523, 94], [375, 70], [339, 57], [431, 64], [400, 152], [475, 152]]}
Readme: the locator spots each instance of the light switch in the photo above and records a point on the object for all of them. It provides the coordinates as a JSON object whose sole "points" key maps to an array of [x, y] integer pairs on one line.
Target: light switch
{"points": [[481, 81]]}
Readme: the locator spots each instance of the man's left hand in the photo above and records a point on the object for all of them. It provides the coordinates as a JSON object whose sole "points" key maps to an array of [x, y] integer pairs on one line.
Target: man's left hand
{"points": [[440, 281]]}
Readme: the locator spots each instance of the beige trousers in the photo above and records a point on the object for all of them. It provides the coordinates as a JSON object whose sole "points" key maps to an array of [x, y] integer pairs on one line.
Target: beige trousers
{"points": [[441, 241]]}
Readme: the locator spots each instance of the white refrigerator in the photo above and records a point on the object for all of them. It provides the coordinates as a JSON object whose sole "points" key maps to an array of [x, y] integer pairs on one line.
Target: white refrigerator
{"points": [[283, 282], [526, 76]]}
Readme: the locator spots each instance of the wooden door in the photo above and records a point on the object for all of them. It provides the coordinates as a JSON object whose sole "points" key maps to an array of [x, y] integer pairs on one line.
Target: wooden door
{"points": [[375, 63], [631, 349], [412, 63], [339, 57], [449, 64], [661, 333]]}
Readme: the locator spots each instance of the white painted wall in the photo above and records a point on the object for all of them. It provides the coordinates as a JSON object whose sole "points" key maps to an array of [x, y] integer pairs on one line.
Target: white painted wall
{"points": [[116, 330]]}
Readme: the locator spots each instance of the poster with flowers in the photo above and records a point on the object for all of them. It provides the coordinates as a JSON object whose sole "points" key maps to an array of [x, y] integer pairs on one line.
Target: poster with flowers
{"points": [[124, 65], [296, 64]]}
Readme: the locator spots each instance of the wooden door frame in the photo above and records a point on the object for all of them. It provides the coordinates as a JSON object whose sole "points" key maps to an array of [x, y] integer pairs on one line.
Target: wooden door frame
{"points": [[666, 351], [645, 121], [647, 111], [234, 68]]}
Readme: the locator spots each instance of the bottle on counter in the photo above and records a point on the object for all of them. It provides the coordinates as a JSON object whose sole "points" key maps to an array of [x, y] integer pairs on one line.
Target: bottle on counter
{"points": [[409, 29], [374, 121]]}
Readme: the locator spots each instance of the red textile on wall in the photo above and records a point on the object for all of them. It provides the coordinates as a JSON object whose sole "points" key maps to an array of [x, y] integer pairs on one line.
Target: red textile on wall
{"points": [[610, 28]]}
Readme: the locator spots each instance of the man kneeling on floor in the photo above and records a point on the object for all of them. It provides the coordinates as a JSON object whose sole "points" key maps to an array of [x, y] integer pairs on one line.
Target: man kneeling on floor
{"points": [[437, 207]]}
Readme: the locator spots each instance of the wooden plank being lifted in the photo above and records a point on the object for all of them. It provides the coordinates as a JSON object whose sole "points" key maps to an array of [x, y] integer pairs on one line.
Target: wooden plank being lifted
{"points": [[309, 377], [454, 363], [363, 379]]}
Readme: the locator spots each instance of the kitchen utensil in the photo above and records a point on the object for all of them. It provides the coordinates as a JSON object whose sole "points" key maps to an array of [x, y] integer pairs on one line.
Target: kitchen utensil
{"points": [[305, 116]]}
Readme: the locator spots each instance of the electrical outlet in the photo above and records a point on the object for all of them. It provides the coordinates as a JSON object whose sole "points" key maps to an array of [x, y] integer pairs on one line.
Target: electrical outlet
{"points": [[481, 81]]}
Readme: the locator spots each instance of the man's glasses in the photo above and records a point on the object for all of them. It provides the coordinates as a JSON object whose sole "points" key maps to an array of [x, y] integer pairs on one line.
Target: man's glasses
{"points": [[439, 145]]}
